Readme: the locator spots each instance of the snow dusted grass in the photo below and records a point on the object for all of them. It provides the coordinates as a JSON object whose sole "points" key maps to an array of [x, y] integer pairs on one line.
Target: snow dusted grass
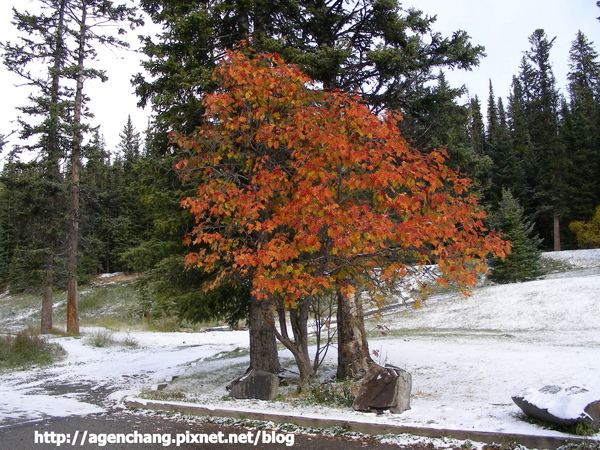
{"points": [[25, 349], [109, 305], [111, 301]]}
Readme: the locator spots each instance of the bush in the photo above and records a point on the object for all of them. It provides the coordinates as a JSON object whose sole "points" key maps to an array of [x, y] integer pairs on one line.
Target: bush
{"points": [[27, 349], [332, 394], [101, 338], [587, 233], [105, 338]]}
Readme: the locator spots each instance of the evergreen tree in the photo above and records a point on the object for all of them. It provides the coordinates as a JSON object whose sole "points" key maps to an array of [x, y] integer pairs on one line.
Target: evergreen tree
{"points": [[63, 40], [523, 262], [135, 223], [541, 107], [524, 153], [33, 261], [44, 43], [130, 145], [454, 128], [101, 195], [476, 142], [506, 172], [87, 17], [580, 132]]}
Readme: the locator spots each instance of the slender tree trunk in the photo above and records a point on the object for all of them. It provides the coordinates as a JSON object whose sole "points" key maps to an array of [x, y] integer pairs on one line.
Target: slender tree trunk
{"points": [[299, 322], [353, 349], [299, 344], [557, 245], [263, 347], [46, 325], [54, 156], [73, 239]]}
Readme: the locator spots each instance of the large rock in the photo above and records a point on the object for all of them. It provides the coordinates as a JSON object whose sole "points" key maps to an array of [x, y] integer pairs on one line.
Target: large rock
{"points": [[560, 406], [384, 388], [593, 411], [255, 384]]}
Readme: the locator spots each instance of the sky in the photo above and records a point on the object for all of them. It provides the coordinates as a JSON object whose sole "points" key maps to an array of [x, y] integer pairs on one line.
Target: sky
{"points": [[503, 27]]}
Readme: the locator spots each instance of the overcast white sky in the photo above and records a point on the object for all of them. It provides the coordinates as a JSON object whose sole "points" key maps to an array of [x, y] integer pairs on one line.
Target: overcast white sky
{"points": [[501, 26]]}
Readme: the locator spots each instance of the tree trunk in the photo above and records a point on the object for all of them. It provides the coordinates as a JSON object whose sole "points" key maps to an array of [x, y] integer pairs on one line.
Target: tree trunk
{"points": [[54, 156], [46, 325], [263, 347], [73, 238], [353, 349], [299, 322], [299, 345], [556, 233]]}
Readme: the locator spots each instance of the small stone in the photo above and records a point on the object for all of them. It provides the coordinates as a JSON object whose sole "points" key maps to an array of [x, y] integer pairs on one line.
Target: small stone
{"points": [[159, 386]]}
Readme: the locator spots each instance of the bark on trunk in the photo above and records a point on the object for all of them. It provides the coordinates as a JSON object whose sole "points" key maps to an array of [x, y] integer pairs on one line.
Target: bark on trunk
{"points": [[46, 325], [353, 349], [263, 347], [299, 344], [556, 233], [54, 156], [73, 238]]}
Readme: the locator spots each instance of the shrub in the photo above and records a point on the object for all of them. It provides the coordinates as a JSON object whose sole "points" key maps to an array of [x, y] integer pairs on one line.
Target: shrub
{"points": [[332, 394], [26, 349], [587, 233], [523, 262], [101, 338]]}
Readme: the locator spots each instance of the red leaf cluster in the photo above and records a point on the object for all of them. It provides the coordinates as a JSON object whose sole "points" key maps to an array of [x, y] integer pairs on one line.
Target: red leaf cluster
{"points": [[303, 189]]}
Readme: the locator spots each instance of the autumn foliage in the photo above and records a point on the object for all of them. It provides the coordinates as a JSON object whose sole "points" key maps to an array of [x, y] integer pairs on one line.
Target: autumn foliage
{"points": [[306, 191], [587, 233]]}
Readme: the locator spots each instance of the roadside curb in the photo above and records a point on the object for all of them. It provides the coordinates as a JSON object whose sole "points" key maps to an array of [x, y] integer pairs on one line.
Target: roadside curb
{"points": [[529, 441]]}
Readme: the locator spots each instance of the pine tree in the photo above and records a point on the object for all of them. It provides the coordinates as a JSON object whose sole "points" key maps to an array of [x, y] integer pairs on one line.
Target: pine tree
{"points": [[88, 17], [33, 261], [523, 262], [63, 41], [100, 190], [476, 142], [506, 172], [541, 107], [524, 152], [580, 130], [43, 44], [133, 222], [454, 128]]}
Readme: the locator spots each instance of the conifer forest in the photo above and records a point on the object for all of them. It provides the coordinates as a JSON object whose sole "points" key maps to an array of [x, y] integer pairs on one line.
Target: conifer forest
{"points": [[299, 154]]}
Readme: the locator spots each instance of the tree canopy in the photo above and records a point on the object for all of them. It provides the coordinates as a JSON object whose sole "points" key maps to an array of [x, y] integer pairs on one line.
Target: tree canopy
{"points": [[306, 191]]}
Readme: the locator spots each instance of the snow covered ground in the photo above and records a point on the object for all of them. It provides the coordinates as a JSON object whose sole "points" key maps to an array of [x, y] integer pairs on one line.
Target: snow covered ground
{"points": [[467, 356]]}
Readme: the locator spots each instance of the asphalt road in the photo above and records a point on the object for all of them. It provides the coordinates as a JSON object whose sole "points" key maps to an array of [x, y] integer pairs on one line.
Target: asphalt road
{"points": [[135, 430]]}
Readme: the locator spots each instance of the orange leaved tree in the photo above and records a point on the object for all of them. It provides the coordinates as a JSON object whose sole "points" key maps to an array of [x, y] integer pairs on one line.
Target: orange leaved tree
{"points": [[307, 193]]}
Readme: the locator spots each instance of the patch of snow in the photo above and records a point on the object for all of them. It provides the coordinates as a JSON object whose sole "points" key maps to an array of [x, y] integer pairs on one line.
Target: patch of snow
{"points": [[577, 258], [110, 275], [122, 370]]}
